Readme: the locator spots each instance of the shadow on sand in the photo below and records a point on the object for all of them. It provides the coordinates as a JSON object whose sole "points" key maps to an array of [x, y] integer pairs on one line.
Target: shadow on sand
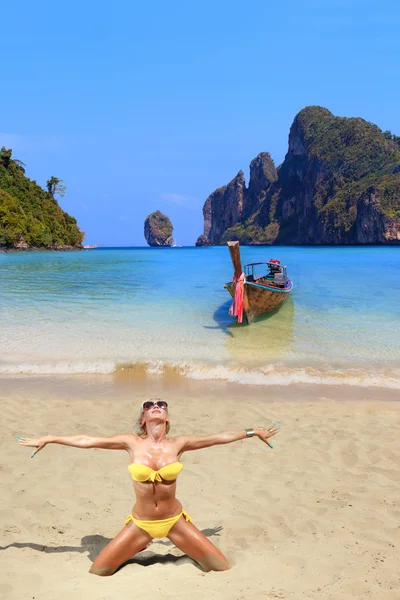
{"points": [[94, 544]]}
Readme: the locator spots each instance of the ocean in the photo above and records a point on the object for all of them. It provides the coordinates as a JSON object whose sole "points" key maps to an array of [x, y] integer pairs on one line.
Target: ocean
{"points": [[165, 310]]}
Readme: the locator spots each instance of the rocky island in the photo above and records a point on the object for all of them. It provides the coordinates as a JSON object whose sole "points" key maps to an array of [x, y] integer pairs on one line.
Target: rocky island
{"points": [[158, 230], [339, 184], [30, 217]]}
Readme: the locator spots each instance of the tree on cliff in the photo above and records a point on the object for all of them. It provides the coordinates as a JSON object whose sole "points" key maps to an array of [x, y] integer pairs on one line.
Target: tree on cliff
{"points": [[55, 186], [5, 157]]}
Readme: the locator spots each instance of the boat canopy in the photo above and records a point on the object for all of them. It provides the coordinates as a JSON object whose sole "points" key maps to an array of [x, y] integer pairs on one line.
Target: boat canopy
{"points": [[275, 264], [251, 270]]}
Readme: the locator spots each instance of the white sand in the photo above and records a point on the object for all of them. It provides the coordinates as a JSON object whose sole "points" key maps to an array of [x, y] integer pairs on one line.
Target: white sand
{"points": [[316, 517]]}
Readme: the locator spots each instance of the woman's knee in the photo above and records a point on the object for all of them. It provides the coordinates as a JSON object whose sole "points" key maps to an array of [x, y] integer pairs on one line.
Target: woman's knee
{"points": [[215, 563], [102, 571]]}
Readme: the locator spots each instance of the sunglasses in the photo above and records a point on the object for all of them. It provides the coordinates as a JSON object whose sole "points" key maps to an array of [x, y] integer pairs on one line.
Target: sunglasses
{"points": [[160, 403]]}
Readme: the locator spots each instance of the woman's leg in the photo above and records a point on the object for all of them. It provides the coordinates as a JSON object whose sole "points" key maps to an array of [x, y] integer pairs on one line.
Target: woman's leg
{"points": [[130, 540], [191, 541]]}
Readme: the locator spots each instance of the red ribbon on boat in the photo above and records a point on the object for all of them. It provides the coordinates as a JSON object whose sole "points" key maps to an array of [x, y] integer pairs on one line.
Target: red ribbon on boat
{"points": [[237, 306]]}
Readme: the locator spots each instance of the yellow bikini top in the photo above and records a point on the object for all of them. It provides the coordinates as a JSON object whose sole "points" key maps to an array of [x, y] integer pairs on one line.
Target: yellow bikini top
{"points": [[144, 473]]}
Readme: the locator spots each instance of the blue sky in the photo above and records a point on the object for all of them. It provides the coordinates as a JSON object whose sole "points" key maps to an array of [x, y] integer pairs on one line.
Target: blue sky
{"points": [[140, 106]]}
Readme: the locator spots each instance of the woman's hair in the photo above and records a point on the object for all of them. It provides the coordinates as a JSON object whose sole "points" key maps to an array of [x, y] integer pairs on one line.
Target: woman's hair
{"points": [[140, 429]]}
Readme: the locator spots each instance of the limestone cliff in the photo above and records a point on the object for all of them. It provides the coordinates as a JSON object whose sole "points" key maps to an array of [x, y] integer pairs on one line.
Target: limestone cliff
{"points": [[222, 209], [262, 174], [339, 184], [158, 230]]}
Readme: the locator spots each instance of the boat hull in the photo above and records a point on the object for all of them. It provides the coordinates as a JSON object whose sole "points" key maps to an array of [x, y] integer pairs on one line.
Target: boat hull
{"points": [[259, 299]]}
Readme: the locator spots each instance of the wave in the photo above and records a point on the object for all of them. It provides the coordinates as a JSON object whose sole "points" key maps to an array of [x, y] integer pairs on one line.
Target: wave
{"points": [[241, 374]]}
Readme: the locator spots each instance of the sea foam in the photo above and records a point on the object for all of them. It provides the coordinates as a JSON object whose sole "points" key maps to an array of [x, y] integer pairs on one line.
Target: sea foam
{"points": [[261, 376]]}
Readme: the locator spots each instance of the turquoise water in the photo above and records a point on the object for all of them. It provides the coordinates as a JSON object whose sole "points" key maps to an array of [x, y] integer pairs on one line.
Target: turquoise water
{"points": [[166, 308]]}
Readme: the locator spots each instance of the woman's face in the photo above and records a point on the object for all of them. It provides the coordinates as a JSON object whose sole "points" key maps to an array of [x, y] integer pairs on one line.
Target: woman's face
{"points": [[157, 413]]}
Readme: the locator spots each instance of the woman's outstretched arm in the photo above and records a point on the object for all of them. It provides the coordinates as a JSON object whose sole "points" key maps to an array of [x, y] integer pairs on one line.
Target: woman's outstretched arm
{"points": [[196, 442], [117, 442]]}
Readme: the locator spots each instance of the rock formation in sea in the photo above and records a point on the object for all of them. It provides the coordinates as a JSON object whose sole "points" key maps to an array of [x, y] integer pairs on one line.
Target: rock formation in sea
{"points": [[158, 230], [339, 184]]}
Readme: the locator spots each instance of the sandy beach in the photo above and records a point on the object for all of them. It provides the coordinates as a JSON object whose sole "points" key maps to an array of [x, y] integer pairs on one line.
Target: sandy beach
{"points": [[316, 517]]}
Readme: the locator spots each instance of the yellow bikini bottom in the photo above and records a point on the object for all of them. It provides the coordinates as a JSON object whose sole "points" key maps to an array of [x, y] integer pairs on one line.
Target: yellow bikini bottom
{"points": [[158, 529]]}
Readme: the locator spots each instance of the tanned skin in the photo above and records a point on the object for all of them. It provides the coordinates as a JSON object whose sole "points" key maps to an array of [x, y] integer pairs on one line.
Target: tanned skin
{"points": [[154, 502]]}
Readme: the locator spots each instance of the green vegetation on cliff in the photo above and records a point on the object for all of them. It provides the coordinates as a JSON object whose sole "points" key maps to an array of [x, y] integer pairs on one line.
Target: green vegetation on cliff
{"points": [[249, 233], [339, 184], [30, 216], [352, 155]]}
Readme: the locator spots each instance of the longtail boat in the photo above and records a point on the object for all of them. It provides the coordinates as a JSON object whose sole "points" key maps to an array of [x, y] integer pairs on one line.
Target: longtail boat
{"points": [[258, 289]]}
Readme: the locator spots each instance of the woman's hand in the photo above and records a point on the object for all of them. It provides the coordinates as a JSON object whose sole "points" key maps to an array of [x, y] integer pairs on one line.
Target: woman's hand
{"points": [[266, 432], [37, 443]]}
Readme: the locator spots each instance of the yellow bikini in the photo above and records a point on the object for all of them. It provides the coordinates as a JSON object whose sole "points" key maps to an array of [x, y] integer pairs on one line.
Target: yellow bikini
{"points": [[144, 473], [156, 528]]}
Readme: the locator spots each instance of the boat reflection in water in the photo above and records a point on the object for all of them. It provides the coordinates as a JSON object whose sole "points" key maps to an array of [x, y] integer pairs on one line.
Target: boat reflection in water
{"points": [[268, 341]]}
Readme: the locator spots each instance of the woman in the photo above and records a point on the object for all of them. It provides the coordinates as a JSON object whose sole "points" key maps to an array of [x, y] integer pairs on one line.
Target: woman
{"points": [[154, 467]]}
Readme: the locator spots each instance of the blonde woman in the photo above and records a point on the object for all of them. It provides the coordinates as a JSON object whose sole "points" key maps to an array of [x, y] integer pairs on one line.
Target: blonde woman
{"points": [[154, 465]]}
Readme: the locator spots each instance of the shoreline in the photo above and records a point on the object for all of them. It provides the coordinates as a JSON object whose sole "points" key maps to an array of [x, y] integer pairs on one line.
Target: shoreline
{"points": [[180, 374], [89, 385], [71, 248], [35, 249]]}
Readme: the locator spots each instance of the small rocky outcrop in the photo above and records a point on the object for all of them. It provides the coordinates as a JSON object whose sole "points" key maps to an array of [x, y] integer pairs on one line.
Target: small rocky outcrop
{"points": [[202, 240], [158, 230]]}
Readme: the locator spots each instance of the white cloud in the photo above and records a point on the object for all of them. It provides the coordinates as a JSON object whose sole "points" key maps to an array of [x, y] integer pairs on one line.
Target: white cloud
{"points": [[183, 201]]}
